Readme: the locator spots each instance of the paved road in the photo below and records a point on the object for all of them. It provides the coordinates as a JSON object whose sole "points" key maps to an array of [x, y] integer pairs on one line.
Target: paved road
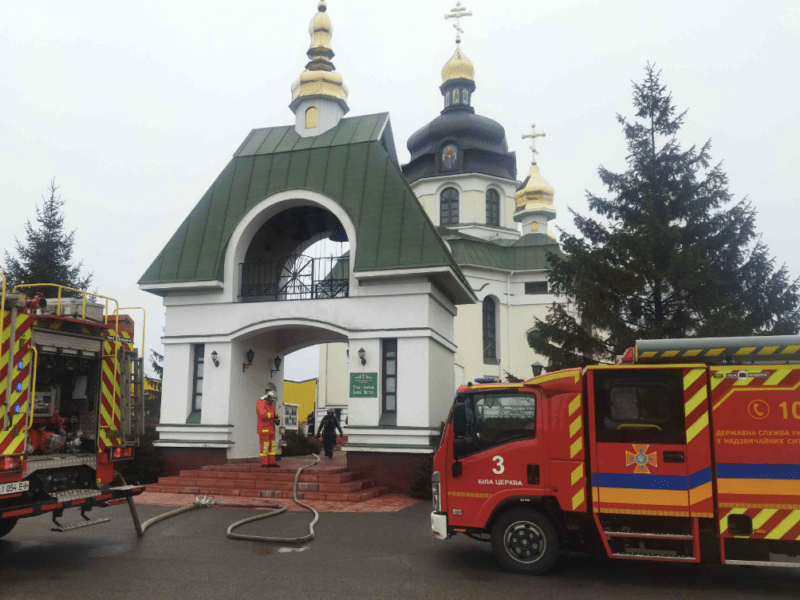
{"points": [[372, 556]]}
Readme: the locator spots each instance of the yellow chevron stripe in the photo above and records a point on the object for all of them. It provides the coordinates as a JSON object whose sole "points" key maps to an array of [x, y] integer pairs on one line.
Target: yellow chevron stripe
{"points": [[768, 350], [691, 353], [723, 522], [670, 353], [792, 519], [577, 474], [574, 405], [647, 354], [745, 351], [762, 517], [698, 427], [691, 377], [778, 376], [715, 351], [576, 447], [575, 426], [790, 350], [574, 374], [744, 382], [577, 499], [696, 400]]}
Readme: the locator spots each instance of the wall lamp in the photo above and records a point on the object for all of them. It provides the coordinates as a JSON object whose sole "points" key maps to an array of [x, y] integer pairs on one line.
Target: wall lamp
{"points": [[250, 355], [362, 354], [215, 358], [277, 368], [537, 368]]}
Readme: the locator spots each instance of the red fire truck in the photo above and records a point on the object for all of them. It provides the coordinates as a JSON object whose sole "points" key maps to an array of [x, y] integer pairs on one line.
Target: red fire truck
{"points": [[686, 451], [70, 404]]}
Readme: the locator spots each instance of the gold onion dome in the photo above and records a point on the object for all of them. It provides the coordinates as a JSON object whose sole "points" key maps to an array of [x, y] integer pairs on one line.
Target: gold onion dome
{"points": [[319, 78], [534, 193], [458, 67]]}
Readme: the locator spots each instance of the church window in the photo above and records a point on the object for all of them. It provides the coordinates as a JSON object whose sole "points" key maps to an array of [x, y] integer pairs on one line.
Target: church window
{"points": [[446, 99], [312, 118], [492, 207], [465, 96], [455, 96], [449, 207], [390, 376], [536, 287], [489, 329], [197, 378]]}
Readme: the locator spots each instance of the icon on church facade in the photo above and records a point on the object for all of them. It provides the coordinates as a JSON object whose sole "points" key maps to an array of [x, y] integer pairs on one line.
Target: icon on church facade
{"points": [[450, 157]]}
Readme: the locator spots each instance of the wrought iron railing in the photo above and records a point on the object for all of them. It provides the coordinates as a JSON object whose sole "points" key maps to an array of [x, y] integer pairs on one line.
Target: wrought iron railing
{"points": [[296, 277]]}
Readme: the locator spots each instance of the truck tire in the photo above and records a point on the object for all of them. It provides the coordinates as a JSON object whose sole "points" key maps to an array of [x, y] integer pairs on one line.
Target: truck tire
{"points": [[6, 525], [525, 541]]}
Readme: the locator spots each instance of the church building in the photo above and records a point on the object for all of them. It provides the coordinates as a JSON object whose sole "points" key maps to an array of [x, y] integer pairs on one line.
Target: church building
{"points": [[434, 285]]}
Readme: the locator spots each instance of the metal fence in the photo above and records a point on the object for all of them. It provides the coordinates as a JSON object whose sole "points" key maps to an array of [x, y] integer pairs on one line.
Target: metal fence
{"points": [[296, 277]]}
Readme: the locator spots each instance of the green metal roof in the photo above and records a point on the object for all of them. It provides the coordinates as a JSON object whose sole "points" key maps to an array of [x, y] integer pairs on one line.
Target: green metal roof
{"points": [[354, 164], [528, 253]]}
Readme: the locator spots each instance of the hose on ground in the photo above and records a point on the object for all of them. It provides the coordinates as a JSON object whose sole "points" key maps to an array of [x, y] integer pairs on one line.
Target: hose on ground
{"points": [[207, 501]]}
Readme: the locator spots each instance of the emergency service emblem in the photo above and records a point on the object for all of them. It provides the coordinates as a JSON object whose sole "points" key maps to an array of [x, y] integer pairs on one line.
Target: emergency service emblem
{"points": [[641, 458]]}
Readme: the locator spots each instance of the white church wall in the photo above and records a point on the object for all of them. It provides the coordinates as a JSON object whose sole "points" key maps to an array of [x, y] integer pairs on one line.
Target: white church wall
{"points": [[472, 198], [177, 389], [362, 411], [442, 383], [333, 386]]}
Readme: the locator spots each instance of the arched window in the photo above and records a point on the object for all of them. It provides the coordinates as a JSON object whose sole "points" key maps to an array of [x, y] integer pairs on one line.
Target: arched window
{"points": [[492, 207], [312, 118], [489, 329], [465, 96], [446, 99], [455, 96], [449, 207]]}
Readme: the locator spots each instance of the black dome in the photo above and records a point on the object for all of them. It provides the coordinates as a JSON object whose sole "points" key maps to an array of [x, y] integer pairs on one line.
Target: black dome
{"points": [[468, 130]]}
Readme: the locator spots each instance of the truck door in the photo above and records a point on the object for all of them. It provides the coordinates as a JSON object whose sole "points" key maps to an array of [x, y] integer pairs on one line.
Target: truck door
{"points": [[639, 459], [503, 454]]}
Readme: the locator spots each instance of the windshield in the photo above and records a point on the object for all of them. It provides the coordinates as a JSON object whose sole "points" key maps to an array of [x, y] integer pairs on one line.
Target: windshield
{"points": [[497, 418]]}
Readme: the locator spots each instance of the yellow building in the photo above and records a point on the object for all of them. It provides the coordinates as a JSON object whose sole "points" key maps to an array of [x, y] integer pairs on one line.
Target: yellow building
{"points": [[302, 393]]}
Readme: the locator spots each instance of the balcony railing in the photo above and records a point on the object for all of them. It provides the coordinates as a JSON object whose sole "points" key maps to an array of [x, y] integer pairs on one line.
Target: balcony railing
{"points": [[296, 277]]}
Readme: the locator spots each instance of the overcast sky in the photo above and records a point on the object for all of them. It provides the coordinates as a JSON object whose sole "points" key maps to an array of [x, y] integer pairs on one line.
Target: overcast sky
{"points": [[135, 108]]}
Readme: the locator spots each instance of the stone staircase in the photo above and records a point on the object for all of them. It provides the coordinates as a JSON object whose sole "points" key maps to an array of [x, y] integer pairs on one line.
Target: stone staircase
{"points": [[249, 480]]}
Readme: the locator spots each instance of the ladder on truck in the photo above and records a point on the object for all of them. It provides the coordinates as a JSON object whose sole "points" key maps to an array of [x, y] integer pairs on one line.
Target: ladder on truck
{"points": [[132, 367]]}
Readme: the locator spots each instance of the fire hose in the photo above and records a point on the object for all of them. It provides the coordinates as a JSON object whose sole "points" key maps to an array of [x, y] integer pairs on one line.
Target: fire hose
{"points": [[207, 502]]}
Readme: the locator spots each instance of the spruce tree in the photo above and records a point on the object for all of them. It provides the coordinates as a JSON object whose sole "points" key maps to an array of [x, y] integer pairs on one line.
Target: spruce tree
{"points": [[46, 255], [668, 256]]}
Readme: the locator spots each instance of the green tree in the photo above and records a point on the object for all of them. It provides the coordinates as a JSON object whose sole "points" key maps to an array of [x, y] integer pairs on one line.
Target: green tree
{"points": [[670, 255], [46, 254]]}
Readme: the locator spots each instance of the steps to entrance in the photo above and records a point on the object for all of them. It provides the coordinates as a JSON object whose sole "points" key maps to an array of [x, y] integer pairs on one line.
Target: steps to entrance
{"points": [[249, 480]]}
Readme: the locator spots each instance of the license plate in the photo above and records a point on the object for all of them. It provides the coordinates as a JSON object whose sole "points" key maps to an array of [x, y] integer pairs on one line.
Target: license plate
{"points": [[15, 487]]}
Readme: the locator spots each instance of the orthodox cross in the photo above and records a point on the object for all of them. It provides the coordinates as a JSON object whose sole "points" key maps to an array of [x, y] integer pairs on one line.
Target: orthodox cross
{"points": [[457, 13], [532, 136]]}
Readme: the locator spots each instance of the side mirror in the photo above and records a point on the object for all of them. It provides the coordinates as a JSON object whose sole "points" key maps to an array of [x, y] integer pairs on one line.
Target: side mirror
{"points": [[460, 419]]}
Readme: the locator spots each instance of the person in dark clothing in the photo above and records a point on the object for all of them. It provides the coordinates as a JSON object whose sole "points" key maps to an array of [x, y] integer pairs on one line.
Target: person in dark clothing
{"points": [[327, 427], [310, 423]]}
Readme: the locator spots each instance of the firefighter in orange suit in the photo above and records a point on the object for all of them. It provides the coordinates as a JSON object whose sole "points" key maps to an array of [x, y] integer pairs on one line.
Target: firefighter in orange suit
{"points": [[267, 420]]}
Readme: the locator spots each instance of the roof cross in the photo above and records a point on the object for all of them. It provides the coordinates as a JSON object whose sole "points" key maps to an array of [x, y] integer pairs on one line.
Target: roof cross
{"points": [[532, 136], [458, 13]]}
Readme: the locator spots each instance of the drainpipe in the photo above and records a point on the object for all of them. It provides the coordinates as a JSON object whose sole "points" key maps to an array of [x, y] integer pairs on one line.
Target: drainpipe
{"points": [[508, 323]]}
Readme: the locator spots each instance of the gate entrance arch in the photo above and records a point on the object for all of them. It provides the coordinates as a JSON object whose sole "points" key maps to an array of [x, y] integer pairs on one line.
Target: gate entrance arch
{"points": [[240, 274]]}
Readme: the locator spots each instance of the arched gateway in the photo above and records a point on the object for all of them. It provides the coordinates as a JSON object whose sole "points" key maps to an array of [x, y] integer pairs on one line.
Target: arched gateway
{"points": [[241, 289]]}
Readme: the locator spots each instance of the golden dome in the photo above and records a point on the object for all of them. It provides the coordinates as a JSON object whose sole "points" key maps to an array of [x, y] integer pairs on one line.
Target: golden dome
{"points": [[534, 193], [458, 67], [319, 78]]}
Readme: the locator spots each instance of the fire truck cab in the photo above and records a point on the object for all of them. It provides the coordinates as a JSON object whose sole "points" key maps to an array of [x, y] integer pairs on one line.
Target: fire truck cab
{"points": [[71, 404], [688, 452]]}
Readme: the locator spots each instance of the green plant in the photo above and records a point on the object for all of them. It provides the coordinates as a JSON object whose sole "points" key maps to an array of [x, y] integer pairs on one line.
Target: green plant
{"points": [[298, 444], [421, 484]]}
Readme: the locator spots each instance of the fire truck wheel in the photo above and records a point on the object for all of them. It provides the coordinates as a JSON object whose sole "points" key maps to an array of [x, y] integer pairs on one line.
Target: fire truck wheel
{"points": [[525, 541], [6, 525]]}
